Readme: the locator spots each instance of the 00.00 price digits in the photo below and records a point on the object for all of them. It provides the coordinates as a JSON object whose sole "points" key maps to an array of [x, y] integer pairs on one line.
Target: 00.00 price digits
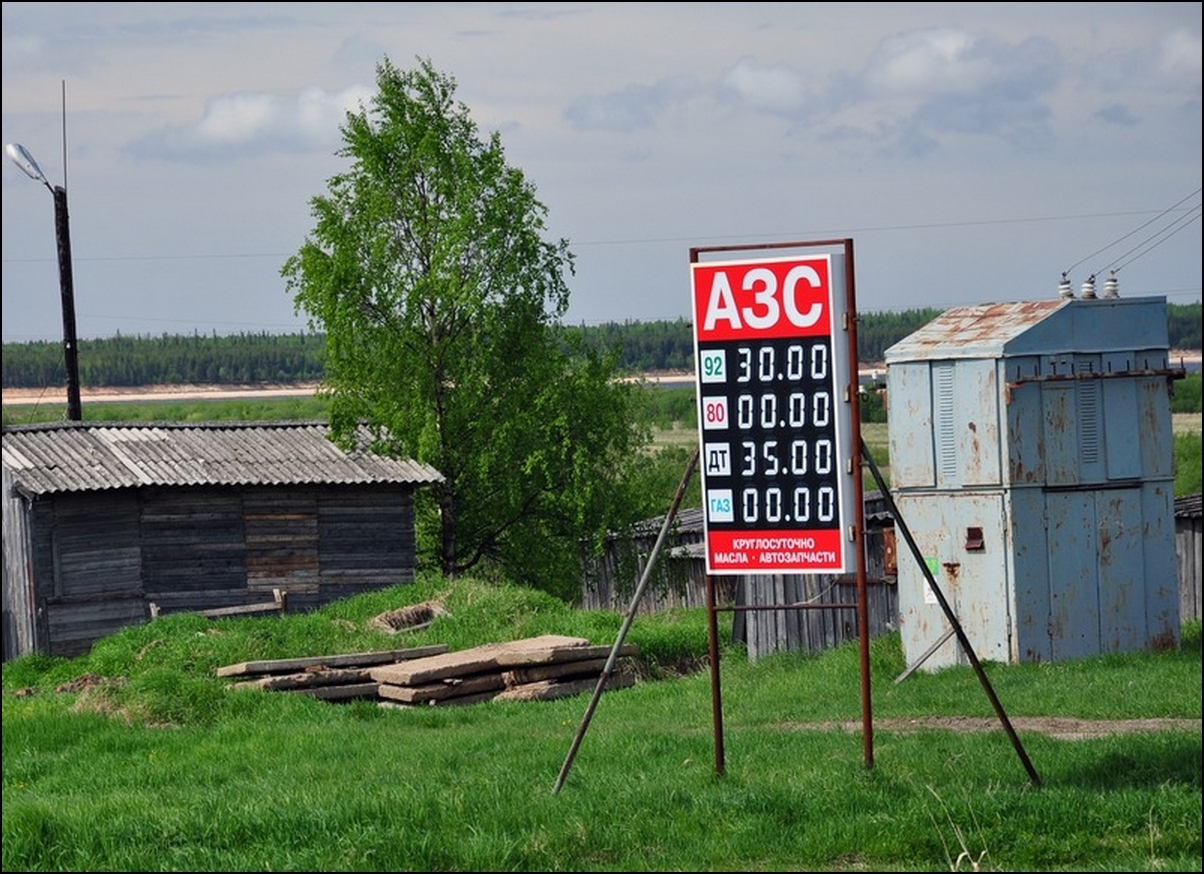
{"points": [[754, 502]]}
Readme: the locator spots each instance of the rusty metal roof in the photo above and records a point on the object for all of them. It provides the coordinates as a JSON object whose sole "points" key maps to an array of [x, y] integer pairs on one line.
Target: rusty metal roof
{"points": [[979, 330], [1061, 325], [75, 457]]}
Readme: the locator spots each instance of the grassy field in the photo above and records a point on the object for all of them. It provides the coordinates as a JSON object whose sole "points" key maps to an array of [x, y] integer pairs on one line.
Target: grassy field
{"points": [[138, 757]]}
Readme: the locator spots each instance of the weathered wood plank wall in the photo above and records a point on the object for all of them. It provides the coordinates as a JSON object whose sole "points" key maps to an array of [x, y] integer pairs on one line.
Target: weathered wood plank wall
{"points": [[91, 563]]}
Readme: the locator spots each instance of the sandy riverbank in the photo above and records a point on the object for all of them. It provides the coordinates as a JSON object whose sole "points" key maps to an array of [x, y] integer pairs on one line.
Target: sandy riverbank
{"points": [[1187, 358], [141, 393]]}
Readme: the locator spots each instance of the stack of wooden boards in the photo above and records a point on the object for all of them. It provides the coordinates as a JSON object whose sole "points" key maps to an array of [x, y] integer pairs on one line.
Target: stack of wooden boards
{"points": [[532, 669]]}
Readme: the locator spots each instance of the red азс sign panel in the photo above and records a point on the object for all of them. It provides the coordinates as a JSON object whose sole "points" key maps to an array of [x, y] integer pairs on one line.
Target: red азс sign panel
{"points": [[772, 415]]}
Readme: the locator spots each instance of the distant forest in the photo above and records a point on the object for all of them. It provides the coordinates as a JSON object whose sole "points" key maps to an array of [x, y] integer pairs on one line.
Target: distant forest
{"points": [[253, 359]]}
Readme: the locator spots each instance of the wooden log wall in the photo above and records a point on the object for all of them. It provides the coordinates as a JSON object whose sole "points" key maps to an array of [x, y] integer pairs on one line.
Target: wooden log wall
{"points": [[96, 561]]}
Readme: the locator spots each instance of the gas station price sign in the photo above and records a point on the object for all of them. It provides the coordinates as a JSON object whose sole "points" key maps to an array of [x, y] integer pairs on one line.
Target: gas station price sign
{"points": [[771, 359]]}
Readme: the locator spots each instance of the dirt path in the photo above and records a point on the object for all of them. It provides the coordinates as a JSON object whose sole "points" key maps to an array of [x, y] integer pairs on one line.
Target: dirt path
{"points": [[1064, 728], [1061, 727]]}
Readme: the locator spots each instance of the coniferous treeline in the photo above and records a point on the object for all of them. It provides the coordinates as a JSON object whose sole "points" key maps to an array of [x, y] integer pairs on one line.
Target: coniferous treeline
{"points": [[291, 358], [170, 359], [1183, 325]]}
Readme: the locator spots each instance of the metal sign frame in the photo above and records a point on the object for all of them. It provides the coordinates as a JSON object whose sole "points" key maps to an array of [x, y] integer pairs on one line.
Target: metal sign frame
{"points": [[780, 302], [771, 360]]}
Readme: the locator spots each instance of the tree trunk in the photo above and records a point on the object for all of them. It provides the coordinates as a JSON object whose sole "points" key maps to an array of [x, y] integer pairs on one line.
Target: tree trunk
{"points": [[447, 529]]}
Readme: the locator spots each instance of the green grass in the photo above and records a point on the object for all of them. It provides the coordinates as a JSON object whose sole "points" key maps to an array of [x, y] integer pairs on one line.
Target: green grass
{"points": [[224, 410], [157, 765], [1185, 396], [1188, 478]]}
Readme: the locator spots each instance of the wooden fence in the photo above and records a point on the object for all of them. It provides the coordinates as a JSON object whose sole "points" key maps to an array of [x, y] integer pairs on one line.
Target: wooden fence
{"points": [[805, 617]]}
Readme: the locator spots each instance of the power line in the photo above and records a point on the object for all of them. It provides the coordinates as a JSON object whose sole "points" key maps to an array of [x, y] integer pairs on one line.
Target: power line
{"points": [[1160, 215], [1158, 239], [692, 239]]}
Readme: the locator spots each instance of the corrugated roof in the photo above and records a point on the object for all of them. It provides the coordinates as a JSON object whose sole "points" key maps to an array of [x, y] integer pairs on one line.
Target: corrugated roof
{"points": [[74, 457], [1188, 506]]}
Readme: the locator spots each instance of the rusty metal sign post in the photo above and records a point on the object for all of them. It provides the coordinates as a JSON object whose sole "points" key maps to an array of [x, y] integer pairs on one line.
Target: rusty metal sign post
{"points": [[955, 627], [608, 669]]}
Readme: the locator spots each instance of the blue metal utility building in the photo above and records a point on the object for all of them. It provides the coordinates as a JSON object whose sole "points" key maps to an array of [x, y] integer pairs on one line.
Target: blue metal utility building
{"points": [[1031, 457]]}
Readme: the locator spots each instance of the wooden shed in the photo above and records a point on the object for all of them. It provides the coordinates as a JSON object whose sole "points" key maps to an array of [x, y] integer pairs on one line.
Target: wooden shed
{"points": [[103, 520]]}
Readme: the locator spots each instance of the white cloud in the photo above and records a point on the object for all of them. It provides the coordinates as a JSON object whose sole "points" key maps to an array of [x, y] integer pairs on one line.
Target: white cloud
{"points": [[926, 61], [235, 125], [777, 88], [1178, 58], [940, 62], [238, 118]]}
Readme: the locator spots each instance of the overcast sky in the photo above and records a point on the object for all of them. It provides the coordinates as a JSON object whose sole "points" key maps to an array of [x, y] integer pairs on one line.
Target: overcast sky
{"points": [[972, 151]]}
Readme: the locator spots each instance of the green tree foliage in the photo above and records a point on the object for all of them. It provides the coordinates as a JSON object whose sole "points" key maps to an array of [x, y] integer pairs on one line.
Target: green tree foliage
{"points": [[440, 301], [876, 332], [1183, 325], [1185, 397], [645, 346], [195, 359]]}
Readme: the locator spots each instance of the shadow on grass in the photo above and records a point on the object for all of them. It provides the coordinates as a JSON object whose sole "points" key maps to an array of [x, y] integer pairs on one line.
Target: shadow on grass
{"points": [[1148, 760]]}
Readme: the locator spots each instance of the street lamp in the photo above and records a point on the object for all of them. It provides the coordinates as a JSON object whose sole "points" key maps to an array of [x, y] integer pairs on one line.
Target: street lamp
{"points": [[62, 232]]}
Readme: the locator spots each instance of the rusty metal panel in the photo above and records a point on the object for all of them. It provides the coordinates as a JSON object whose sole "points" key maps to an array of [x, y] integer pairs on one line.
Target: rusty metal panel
{"points": [[1030, 548], [1089, 415], [1120, 410], [1163, 620], [972, 573], [965, 417], [1121, 571], [1025, 447], [1073, 607], [976, 423], [921, 621], [1060, 434], [982, 568], [1112, 577], [1136, 326], [909, 426], [980, 331], [1152, 429]]}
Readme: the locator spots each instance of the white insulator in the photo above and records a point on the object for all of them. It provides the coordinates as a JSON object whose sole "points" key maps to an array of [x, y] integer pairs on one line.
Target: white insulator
{"points": [[1065, 289], [1112, 287], [1087, 292]]}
